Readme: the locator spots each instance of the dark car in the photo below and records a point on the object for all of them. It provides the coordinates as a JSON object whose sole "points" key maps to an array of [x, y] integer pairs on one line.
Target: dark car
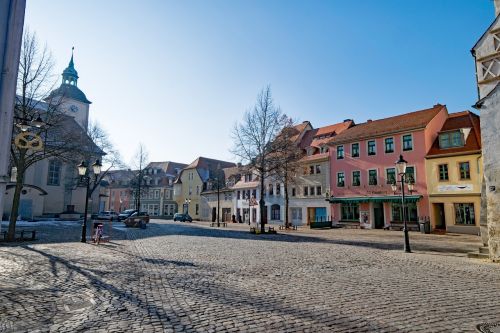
{"points": [[126, 213], [142, 215], [182, 217]]}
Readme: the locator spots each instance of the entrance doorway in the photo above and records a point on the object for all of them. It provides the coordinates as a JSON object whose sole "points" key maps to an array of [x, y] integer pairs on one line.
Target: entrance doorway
{"points": [[214, 214], [439, 216], [378, 214]]}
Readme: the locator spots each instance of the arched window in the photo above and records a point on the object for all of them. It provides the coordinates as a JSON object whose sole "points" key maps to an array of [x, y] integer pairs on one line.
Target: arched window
{"points": [[275, 212]]}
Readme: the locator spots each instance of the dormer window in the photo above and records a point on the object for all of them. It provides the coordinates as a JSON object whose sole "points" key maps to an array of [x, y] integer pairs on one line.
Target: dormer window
{"points": [[451, 140]]}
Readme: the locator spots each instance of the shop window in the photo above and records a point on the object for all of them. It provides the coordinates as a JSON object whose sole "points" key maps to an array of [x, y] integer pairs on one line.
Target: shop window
{"points": [[410, 211], [350, 212], [464, 214]]}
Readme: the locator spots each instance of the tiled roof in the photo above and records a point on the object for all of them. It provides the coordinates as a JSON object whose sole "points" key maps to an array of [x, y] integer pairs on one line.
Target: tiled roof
{"points": [[407, 121], [209, 163], [319, 136], [314, 157], [167, 166], [456, 121]]}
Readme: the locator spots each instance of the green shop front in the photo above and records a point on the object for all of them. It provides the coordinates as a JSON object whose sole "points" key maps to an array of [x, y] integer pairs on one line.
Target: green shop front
{"points": [[377, 211]]}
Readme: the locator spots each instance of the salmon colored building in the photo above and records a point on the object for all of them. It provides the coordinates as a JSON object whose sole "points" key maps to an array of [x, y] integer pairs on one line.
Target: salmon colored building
{"points": [[362, 169]]}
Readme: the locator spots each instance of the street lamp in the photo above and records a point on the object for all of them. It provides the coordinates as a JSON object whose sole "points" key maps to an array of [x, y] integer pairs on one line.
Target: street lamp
{"points": [[82, 172], [401, 170]]}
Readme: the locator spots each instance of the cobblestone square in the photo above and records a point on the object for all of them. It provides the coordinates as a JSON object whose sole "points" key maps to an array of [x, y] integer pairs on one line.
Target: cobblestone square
{"points": [[188, 277]]}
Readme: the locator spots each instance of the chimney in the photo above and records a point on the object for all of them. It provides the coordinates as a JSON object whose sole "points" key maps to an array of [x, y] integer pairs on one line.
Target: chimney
{"points": [[497, 7]]}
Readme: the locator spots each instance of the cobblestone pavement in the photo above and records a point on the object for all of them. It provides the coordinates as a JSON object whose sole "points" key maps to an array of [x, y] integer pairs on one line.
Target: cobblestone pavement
{"points": [[176, 277]]}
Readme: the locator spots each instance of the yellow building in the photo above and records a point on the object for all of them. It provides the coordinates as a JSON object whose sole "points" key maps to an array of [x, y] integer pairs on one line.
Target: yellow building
{"points": [[454, 174], [192, 181]]}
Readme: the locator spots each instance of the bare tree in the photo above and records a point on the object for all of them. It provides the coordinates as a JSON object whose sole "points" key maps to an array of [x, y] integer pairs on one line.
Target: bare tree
{"points": [[253, 139], [101, 146], [35, 108], [138, 183], [286, 159]]}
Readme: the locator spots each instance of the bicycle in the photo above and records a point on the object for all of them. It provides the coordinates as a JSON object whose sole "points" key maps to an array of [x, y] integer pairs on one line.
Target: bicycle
{"points": [[98, 233]]}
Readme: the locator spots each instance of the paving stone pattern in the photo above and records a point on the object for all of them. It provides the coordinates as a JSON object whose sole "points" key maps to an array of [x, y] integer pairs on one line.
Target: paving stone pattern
{"points": [[181, 277]]}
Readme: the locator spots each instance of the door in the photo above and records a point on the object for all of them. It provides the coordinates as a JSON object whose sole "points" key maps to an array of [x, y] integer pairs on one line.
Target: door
{"points": [[311, 215], [378, 214], [321, 214], [26, 209], [214, 214], [439, 216]]}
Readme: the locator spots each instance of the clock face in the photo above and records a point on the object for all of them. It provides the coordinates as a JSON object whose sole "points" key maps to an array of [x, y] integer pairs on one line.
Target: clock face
{"points": [[73, 108]]}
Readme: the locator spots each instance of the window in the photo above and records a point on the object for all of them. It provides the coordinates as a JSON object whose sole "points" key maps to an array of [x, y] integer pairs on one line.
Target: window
{"points": [[410, 212], [294, 192], [340, 179], [340, 152], [297, 214], [238, 195], [350, 212], [355, 150], [356, 178], [464, 213], [318, 190], [311, 190], [197, 209], [54, 172], [451, 139], [464, 170], [157, 194], [190, 190], [306, 191], [371, 147], [197, 189], [311, 169], [389, 145], [254, 194], [275, 212], [271, 189], [318, 168], [372, 177], [407, 142], [443, 172], [390, 175], [410, 174]]}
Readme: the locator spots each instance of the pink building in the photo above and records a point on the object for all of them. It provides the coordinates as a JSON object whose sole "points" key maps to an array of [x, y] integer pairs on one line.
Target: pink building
{"points": [[362, 168]]}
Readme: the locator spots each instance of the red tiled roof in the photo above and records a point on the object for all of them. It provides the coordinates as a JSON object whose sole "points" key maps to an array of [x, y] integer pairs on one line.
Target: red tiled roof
{"points": [[456, 121], [314, 157], [312, 137], [407, 121]]}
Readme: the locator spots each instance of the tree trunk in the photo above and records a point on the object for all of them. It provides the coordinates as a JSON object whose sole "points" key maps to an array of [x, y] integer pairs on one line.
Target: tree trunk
{"points": [[287, 225], [16, 200], [262, 202]]}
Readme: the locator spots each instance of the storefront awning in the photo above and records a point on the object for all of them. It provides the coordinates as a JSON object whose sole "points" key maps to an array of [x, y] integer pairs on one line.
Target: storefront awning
{"points": [[387, 198]]}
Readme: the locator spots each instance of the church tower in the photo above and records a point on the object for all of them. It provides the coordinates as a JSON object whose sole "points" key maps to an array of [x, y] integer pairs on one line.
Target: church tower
{"points": [[74, 102]]}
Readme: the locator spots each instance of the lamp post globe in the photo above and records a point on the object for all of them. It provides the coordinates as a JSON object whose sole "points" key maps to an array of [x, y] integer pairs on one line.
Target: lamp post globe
{"points": [[401, 165], [82, 169]]}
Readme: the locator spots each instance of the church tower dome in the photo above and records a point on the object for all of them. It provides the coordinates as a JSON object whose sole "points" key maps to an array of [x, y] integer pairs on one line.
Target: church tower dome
{"points": [[68, 88]]}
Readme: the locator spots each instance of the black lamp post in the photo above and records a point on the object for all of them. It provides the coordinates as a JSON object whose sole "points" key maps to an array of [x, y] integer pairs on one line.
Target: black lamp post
{"points": [[401, 170], [82, 171]]}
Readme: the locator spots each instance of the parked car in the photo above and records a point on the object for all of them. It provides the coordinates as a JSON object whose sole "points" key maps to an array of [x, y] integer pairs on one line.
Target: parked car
{"points": [[126, 213], [108, 215], [140, 215], [182, 217]]}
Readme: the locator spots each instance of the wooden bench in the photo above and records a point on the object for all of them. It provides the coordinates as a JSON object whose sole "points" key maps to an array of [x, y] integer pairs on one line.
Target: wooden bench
{"points": [[21, 235]]}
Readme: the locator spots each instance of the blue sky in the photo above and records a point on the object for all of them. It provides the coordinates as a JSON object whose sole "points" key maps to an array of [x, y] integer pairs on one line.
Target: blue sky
{"points": [[177, 75]]}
